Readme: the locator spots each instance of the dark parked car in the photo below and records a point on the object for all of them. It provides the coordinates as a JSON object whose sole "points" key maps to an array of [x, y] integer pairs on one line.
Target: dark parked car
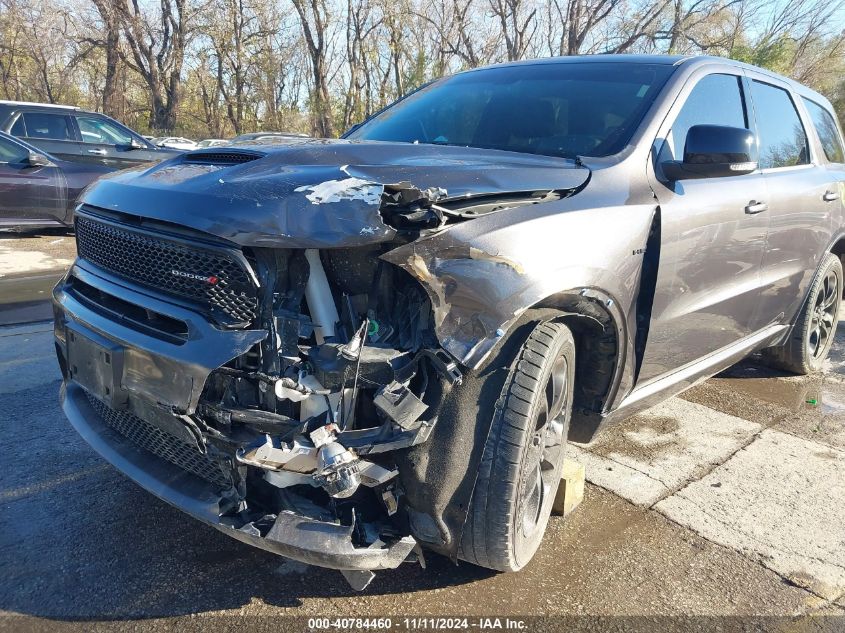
{"points": [[38, 190], [342, 350], [75, 135]]}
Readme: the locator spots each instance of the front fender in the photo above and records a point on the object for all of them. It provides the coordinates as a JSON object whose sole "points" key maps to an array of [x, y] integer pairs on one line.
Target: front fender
{"points": [[483, 274]]}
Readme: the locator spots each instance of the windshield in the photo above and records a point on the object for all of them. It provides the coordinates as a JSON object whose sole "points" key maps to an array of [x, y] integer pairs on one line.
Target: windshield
{"points": [[566, 109]]}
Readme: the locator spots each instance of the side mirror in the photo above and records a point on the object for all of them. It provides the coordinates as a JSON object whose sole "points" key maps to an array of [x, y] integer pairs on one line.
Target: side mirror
{"points": [[136, 144], [34, 159], [714, 151]]}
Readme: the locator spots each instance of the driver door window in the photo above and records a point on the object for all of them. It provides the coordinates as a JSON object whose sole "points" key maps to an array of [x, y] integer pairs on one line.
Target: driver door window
{"points": [[715, 100], [97, 130]]}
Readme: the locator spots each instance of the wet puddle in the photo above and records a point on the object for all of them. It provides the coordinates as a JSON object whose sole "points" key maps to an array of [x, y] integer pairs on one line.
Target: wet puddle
{"points": [[29, 268], [824, 392], [795, 395]]}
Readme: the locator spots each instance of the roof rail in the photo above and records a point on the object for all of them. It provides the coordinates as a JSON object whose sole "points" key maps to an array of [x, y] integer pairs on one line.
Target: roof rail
{"points": [[40, 105]]}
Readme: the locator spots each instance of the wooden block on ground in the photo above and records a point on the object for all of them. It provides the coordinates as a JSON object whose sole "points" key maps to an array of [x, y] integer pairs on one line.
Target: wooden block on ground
{"points": [[570, 493]]}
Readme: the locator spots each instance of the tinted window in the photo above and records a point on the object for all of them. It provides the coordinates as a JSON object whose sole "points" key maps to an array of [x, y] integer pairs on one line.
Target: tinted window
{"points": [[11, 152], [565, 109], [46, 125], [97, 130], [715, 100], [18, 128], [828, 134], [783, 142]]}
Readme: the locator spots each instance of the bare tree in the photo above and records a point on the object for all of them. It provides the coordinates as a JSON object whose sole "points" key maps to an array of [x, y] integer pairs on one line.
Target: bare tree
{"points": [[314, 19], [109, 42], [518, 24], [571, 22], [226, 66], [235, 31], [157, 44]]}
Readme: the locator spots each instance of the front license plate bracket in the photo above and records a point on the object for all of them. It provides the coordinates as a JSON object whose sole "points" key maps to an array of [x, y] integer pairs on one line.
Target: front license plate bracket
{"points": [[96, 363]]}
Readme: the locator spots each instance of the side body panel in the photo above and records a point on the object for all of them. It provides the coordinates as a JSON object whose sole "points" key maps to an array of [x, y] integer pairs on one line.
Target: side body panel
{"points": [[799, 231]]}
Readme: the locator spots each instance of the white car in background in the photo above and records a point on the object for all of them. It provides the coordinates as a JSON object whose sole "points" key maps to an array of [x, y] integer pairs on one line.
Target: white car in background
{"points": [[176, 142], [212, 142]]}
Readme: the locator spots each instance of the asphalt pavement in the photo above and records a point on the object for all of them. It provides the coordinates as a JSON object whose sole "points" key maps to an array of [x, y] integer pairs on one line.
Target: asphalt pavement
{"points": [[724, 503]]}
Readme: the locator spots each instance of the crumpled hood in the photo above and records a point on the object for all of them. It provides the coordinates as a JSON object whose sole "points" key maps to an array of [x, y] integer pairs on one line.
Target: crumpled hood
{"points": [[319, 193]]}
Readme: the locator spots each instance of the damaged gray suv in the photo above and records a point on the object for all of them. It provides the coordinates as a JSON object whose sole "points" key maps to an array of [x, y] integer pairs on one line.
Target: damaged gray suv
{"points": [[351, 351]]}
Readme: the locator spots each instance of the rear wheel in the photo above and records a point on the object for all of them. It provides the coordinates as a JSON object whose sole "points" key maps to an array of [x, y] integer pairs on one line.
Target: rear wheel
{"points": [[522, 461], [813, 334]]}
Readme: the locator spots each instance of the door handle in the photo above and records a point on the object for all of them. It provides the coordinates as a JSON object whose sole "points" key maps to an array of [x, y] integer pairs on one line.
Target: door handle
{"points": [[756, 207], [98, 152], [830, 196]]}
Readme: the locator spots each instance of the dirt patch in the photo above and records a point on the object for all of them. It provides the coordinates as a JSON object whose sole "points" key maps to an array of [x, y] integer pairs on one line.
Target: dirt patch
{"points": [[644, 438]]}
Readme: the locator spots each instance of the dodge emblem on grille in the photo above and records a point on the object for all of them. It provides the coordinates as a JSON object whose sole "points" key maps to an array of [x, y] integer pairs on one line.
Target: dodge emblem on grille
{"points": [[207, 279]]}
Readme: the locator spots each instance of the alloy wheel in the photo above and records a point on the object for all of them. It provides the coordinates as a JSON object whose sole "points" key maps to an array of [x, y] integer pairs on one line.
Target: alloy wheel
{"points": [[823, 317], [545, 452]]}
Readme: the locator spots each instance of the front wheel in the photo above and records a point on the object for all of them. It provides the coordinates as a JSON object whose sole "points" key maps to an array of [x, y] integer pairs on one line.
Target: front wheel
{"points": [[523, 457], [814, 331]]}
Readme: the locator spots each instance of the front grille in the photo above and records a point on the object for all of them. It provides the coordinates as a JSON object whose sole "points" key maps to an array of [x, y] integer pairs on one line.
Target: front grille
{"points": [[211, 277], [153, 439]]}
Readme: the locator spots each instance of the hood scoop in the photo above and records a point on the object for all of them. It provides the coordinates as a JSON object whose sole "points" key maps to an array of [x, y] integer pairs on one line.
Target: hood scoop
{"points": [[221, 158]]}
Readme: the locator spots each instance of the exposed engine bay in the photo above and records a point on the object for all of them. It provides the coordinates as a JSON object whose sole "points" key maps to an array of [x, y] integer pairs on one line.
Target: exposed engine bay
{"points": [[313, 412]]}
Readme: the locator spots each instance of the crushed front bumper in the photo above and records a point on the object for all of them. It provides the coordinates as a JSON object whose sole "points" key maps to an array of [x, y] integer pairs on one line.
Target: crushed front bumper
{"points": [[306, 540], [297, 537]]}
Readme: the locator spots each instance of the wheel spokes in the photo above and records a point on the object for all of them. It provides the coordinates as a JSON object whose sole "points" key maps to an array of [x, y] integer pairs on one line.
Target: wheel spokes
{"points": [[546, 449], [823, 318]]}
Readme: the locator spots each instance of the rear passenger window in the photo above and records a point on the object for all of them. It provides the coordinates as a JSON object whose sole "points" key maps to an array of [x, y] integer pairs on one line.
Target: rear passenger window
{"points": [[715, 100], [826, 129], [46, 125], [783, 142]]}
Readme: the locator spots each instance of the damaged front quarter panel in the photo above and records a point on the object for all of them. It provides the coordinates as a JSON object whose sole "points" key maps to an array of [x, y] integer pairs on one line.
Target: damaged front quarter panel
{"points": [[474, 295], [482, 275]]}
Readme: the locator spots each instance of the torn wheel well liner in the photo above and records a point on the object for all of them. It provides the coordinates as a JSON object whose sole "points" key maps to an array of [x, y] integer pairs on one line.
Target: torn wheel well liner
{"points": [[598, 358]]}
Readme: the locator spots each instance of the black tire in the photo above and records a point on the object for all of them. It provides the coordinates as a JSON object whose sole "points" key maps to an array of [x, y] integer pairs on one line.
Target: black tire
{"points": [[523, 457], [807, 347]]}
